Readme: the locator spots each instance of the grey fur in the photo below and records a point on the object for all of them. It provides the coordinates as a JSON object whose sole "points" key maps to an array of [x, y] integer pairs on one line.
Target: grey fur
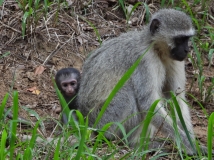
{"points": [[156, 75]]}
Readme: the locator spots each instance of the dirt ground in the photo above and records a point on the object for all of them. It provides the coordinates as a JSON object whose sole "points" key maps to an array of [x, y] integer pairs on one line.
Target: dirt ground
{"points": [[63, 39]]}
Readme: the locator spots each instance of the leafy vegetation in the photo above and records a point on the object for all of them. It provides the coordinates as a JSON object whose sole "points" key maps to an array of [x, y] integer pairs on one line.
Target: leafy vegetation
{"points": [[75, 140]]}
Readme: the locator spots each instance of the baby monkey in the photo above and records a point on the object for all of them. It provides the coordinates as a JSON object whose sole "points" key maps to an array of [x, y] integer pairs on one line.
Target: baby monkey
{"points": [[68, 81]]}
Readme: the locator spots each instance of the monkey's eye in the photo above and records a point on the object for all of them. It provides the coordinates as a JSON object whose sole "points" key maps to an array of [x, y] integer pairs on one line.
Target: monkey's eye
{"points": [[65, 84], [73, 83]]}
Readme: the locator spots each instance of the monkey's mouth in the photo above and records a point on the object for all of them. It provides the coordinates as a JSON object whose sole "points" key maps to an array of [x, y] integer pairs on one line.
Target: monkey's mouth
{"points": [[178, 57], [69, 94]]}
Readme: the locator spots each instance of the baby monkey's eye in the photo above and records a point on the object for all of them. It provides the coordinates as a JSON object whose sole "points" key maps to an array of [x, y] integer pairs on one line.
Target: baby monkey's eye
{"points": [[73, 83], [65, 85]]}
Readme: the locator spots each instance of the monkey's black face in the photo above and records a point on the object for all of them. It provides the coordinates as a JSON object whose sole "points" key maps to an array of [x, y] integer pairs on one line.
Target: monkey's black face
{"points": [[181, 49]]}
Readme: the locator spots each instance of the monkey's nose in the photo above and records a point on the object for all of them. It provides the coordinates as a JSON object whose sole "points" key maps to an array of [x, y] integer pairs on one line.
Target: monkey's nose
{"points": [[70, 91]]}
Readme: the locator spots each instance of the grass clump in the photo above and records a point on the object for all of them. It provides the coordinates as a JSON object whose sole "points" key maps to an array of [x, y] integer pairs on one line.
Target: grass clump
{"points": [[76, 142]]}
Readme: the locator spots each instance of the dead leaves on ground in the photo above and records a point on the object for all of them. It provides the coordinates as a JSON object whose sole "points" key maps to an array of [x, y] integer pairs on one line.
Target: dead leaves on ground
{"points": [[39, 70], [34, 90]]}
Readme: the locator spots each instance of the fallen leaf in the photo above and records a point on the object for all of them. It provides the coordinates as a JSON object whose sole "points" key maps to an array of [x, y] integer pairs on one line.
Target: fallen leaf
{"points": [[34, 90], [39, 70], [31, 89]]}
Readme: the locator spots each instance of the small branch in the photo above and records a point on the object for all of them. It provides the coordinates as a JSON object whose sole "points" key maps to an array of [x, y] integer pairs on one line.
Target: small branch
{"points": [[10, 28]]}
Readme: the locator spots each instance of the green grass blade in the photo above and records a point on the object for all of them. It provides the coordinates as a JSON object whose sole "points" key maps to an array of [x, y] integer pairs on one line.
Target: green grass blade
{"points": [[82, 141], [24, 21], [146, 122], [175, 126], [3, 144], [91, 24], [201, 80], [20, 156], [121, 2], [1, 2], [46, 2], [14, 124], [119, 85], [57, 150], [122, 129], [147, 12], [162, 3], [95, 30], [62, 101], [72, 122], [210, 56], [178, 109], [160, 156], [198, 55], [4, 101], [101, 136], [80, 117], [35, 114], [210, 136], [5, 55], [36, 4], [29, 3], [202, 107], [28, 151], [132, 10], [188, 7]]}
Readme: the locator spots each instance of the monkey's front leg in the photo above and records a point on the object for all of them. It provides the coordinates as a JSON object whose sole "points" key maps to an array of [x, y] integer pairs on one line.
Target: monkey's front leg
{"points": [[162, 120], [185, 113], [176, 82]]}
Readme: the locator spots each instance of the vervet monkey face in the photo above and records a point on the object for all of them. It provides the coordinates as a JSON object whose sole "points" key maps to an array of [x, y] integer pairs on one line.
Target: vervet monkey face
{"points": [[181, 49], [68, 80], [178, 42], [69, 86]]}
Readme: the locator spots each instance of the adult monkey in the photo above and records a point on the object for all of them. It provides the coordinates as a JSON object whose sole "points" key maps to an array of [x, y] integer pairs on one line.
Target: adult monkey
{"points": [[160, 71]]}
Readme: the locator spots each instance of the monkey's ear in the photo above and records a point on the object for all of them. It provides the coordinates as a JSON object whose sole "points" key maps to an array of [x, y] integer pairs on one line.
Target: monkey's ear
{"points": [[154, 26]]}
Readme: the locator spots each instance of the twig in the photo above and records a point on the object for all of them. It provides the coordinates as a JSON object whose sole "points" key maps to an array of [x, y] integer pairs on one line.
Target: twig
{"points": [[57, 50], [53, 53], [48, 140], [10, 28]]}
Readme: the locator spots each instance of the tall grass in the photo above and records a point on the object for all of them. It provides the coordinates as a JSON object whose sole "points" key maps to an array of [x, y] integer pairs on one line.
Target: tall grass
{"points": [[85, 147], [33, 11], [210, 136]]}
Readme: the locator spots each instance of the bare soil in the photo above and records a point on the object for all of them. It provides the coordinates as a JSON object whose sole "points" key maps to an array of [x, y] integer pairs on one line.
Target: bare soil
{"points": [[68, 38]]}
